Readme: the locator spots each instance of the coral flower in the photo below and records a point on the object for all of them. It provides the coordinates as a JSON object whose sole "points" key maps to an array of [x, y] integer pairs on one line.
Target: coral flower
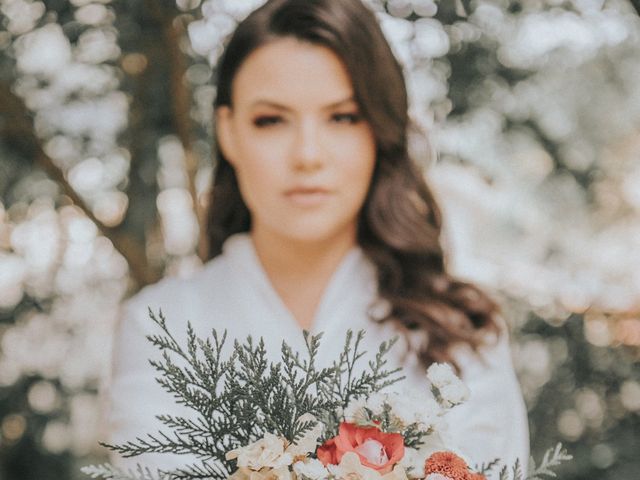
{"points": [[477, 476], [451, 466], [377, 450], [327, 452]]}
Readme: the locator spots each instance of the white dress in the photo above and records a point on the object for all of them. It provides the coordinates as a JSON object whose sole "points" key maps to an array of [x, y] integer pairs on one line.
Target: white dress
{"points": [[233, 292]]}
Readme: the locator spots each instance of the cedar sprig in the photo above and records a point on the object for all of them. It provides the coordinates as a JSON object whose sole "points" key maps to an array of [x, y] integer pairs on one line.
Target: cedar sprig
{"points": [[347, 384], [553, 457], [238, 399], [109, 472]]}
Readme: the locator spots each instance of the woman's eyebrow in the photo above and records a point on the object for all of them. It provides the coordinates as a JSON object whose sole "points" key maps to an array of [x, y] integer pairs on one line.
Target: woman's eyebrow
{"points": [[280, 106]]}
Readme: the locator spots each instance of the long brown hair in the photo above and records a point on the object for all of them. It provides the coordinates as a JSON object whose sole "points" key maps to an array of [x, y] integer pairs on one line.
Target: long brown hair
{"points": [[400, 222]]}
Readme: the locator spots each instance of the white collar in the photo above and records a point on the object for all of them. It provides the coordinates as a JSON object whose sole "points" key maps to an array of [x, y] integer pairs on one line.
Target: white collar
{"points": [[354, 277]]}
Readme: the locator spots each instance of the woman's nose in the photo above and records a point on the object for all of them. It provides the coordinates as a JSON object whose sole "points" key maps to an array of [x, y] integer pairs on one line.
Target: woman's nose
{"points": [[307, 149]]}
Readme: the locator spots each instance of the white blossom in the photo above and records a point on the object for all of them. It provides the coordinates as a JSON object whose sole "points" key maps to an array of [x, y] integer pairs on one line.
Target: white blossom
{"points": [[412, 407], [268, 452], [450, 390], [355, 409], [373, 451], [311, 468], [309, 440], [441, 374], [350, 467], [454, 394]]}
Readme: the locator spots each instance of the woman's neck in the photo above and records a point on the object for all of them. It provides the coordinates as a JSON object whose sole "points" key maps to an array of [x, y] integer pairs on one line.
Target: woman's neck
{"points": [[300, 270], [290, 258]]}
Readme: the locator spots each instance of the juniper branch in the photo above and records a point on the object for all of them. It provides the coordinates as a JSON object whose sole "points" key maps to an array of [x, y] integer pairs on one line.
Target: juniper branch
{"points": [[109, 472], [552, 458], [237, 400]]}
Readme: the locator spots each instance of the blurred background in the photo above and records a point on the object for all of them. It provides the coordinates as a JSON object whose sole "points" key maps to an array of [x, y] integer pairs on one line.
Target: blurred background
{"points": [[533, 107]]}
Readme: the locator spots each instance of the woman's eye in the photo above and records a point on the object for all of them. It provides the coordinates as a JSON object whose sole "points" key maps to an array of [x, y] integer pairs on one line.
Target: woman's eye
{"points": [[346, 117], [266, 120]]}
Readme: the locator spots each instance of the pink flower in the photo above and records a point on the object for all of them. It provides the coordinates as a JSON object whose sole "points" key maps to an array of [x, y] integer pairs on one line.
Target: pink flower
{"points": [[377, 450]]}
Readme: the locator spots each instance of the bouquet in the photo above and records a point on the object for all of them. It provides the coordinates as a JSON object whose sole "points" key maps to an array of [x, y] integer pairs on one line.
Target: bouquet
{"points": [[292, 420]]}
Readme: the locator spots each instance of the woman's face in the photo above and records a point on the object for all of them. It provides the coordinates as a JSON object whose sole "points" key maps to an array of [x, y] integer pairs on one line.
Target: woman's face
{"points": [[302, 153]]}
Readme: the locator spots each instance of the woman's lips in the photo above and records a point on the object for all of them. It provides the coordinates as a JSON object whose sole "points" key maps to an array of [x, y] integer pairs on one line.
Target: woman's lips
{"points": [[307, 197]]}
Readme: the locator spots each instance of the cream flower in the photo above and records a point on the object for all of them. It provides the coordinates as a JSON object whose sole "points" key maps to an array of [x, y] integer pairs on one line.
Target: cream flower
{"points": [[441, 374], [281, 473], [350, 468], [413, 462], [376, 402], [449, 389], [311, 468], [454, 394], [415, 407], [398, 473], [244, 473], [354, 411], [268, 452], [309, 440], [373, 451], [436, 476]]}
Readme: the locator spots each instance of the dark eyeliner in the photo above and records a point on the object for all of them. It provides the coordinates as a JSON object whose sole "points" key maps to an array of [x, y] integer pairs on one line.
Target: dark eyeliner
{"points": [[265, 120], [351, 117]]}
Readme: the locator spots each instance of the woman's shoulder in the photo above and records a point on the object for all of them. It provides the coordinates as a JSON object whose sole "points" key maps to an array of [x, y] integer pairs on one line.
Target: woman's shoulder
{"points": [[180, 295]]}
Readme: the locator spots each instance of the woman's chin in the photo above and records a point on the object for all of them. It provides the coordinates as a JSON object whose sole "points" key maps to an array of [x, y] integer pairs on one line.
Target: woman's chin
{"points": [[314, 234]]}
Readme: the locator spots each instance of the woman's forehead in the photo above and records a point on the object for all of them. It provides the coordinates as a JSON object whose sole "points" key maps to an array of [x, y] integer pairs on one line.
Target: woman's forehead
{"points": [[289, 72]]}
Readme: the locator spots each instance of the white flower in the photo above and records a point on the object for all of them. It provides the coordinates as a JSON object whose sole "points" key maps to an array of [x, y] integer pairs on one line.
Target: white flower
{"points": [[411, 407], [436, 476], [454, 394], [441, 374], [280, 473], [354, 410], [244, 473], [311, 468], [413, 462], [351, 468], [376, 401], [450, 390], [397, 473], [373, 451], [309, 440], [267, 452]]}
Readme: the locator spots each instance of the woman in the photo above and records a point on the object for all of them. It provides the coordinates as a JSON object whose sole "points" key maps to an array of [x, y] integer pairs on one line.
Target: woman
{"points": [[320, 220]]}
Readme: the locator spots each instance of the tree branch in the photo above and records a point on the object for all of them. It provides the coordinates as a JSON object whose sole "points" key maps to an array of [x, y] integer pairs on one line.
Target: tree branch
{"points": [[19, 133], [173, 29]]}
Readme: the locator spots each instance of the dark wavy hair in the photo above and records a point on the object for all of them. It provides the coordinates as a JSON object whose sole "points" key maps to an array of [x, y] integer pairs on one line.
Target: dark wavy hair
{"points": [[400, 223]]}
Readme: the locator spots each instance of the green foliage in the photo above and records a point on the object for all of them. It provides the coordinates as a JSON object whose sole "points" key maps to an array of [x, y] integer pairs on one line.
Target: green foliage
{"points": [[346, 385], [109, 472], [238, 399], [553, 457], [413, 434]]}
